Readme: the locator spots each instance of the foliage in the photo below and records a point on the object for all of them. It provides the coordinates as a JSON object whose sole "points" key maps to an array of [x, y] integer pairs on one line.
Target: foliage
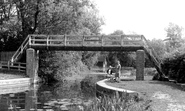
{"points": [[18, 18], [125, 58], [117, 103], [89, 58], [88, 85], [174, 63], [66, 17], [159, 47], [57, 65], [69, 17], [117, 32], [174, 36]]}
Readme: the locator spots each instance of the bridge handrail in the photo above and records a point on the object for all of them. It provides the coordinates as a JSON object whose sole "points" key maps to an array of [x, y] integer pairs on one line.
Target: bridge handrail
{"points": [[13, 65], [151, 50], [20, 49], [154, 56], [80, 40]]}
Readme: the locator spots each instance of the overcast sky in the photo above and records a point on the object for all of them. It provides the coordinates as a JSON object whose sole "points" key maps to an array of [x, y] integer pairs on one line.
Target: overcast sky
{"points": [[146, 17]]}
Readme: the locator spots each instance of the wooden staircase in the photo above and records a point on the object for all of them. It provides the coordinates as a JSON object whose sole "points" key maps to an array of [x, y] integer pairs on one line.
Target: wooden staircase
{"points": [[152, 56], [17, 55]]}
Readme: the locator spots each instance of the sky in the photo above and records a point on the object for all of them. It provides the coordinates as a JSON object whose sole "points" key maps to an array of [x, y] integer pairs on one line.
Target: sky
{"points": [[145, 17]]}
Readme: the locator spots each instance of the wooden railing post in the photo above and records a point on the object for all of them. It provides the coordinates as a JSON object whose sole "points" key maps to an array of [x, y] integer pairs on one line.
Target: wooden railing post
{"points": [[83, 40], [64, 40], [33, 39], [122, 37], [29, 40], [19, 66], [8, 65], [102, 41], [47, 40]]}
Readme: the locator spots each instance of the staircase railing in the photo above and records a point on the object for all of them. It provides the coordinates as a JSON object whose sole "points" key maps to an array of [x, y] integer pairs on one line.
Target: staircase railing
{"points": [[20, 50], [13, 66], [150, 52]]}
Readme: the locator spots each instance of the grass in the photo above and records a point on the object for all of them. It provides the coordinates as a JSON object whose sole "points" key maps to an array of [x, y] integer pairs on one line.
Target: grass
{"points": [[149, 87], [115, 103], [147, 71], [107, 103]]}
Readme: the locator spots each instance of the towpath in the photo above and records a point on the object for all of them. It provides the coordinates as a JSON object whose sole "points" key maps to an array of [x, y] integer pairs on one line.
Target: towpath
{"points": [[164, 96]]}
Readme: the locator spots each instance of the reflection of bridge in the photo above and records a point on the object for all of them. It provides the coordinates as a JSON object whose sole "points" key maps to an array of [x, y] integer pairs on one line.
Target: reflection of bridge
{"points": [[34, 43], [22, 98]]}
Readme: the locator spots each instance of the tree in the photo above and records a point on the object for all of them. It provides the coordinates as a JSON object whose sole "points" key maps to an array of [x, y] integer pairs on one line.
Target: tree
{"points": [[68, 17], [174, 36], [18, 18], [159, 47], [117, 32], [126, 58]]}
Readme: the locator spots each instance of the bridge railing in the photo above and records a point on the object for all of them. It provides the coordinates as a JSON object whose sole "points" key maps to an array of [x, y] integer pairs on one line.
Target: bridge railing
{"points": [[153, 56], [81, 40], [18, 66], [150, 49], [20, 50]]}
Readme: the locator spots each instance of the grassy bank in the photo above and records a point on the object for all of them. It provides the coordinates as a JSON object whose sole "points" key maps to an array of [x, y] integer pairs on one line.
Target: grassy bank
{"points": [[5, 74], [160, 93]]}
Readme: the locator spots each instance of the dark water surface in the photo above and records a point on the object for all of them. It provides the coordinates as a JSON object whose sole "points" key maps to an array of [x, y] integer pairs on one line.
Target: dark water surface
{"points": [[52, 97]]}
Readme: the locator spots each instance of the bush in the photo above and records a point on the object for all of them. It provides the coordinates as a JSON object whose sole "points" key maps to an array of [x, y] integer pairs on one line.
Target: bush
{"points": [[56, 65], [88, 85], [174, 63]]}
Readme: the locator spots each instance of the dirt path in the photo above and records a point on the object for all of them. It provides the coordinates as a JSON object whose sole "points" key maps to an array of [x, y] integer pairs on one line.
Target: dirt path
{"points": [[165, 96], [166, 102]]}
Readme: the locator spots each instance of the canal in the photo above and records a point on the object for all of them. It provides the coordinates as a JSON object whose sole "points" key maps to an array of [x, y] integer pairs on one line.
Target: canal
{"points": [[71, 95]]}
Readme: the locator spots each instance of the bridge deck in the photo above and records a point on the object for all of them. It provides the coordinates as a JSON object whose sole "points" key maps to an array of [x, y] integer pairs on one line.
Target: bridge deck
{"points": [[84, 48]]}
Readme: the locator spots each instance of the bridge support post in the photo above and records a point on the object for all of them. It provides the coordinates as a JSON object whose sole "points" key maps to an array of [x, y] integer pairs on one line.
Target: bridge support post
{"points": [[140, 64], [32, 64]]}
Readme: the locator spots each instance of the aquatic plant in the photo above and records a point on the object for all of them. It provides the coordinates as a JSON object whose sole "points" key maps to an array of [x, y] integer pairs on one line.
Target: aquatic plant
{"points": [[116, 103]]}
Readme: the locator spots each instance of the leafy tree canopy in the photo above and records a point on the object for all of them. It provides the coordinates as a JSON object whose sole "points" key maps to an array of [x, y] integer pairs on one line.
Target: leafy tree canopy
{"points": [[174, 36], [18, 18], [159, 47], [117, 32]]}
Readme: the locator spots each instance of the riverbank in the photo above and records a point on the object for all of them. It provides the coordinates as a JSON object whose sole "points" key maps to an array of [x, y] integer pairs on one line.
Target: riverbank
{"points": [[5, 75], [164, 96]]}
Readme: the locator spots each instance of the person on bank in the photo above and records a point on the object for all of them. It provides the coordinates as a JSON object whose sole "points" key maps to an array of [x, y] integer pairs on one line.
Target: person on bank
{"points": [[118, 71], [109, 71]]}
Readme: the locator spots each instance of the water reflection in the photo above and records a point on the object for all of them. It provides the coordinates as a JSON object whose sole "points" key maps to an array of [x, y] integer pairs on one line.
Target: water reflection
{"points": [[17, 100], [55, 97]]}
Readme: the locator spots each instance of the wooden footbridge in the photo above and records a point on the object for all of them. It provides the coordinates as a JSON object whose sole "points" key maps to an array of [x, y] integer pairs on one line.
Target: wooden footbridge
{"points": [[79, 43]]}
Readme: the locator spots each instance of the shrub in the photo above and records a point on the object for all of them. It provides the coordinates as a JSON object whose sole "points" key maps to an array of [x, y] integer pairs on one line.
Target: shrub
{"points": [[88, 85], [174, 63]]}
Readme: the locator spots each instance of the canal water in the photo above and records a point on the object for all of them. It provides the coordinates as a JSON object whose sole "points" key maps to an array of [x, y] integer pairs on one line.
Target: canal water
{"points": [[70, 95]]}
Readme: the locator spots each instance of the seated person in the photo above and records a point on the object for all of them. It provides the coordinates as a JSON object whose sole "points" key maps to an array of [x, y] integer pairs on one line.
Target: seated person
{"points": [[110, 72]]}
